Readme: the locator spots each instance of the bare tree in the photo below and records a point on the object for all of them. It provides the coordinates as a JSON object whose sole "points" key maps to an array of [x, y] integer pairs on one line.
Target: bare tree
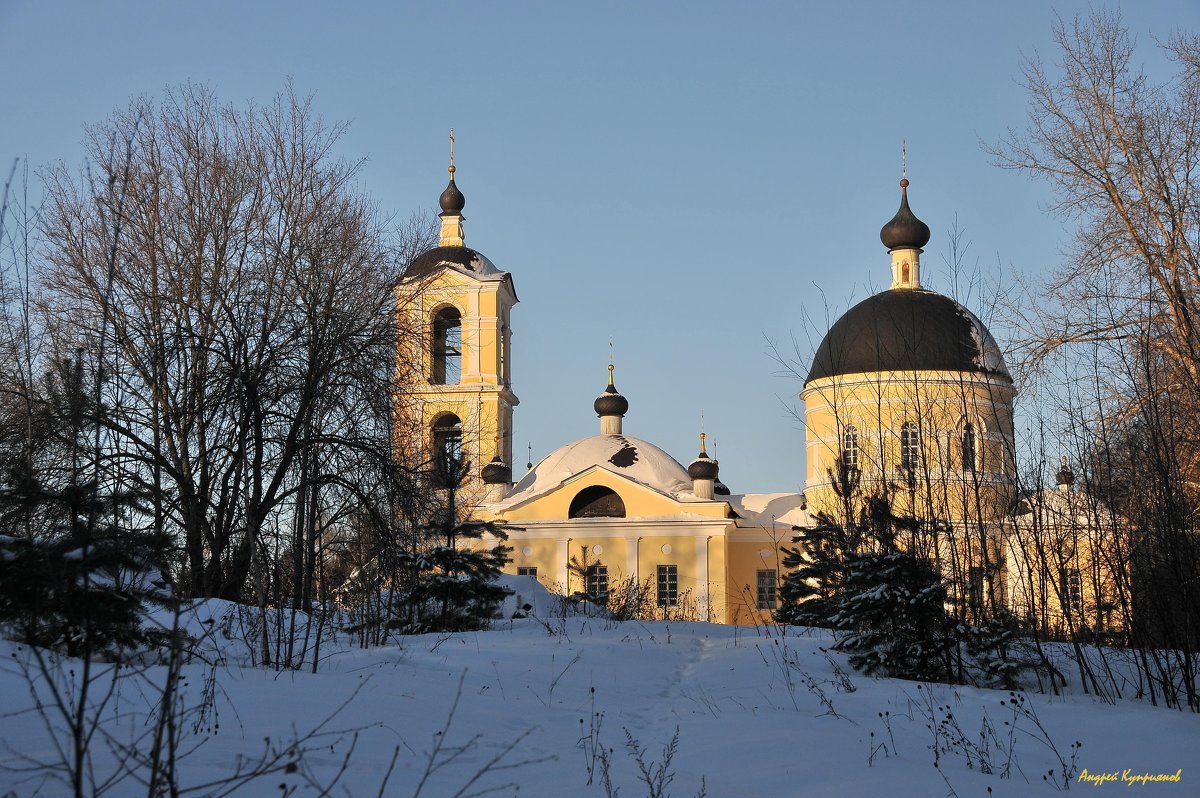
{"points": [[252, 318], [1119, 320], [1123, 155]]}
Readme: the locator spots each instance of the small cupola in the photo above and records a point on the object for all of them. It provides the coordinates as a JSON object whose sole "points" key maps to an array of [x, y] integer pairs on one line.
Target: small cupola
{"points": [[905, 230], [904, 236], [611, 407], [497, 476], [704, 472], [1065, 476], [496, 472], [452, 203]]}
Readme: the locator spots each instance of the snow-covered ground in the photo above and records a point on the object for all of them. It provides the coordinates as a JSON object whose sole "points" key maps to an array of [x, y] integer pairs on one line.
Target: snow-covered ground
{"points": [[536, 701]]}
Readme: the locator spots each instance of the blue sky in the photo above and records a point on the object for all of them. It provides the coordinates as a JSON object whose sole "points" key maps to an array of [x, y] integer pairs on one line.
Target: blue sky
{"points": [[691, 179]]}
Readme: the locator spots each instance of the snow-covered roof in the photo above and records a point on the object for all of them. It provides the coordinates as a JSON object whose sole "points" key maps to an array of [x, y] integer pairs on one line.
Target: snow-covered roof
{"points": [[1064, 509], [462, 259], [769, 509], [633, 458]]}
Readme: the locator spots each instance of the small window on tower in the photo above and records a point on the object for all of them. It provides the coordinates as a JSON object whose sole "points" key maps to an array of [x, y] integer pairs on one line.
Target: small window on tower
{"points": [[975, 587], [1071, 583], [968, 446], [447, 347], [503, 342], [910, 446], [850, 448]]}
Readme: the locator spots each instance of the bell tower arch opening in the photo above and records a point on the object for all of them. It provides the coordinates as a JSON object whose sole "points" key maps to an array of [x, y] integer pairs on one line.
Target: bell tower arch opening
{"points": [[447, 346]]}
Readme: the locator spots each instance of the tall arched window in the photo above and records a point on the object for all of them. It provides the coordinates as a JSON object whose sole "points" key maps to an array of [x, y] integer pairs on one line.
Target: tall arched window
{"points": [[969, 447], [597, 502], [447, 443], [447, 347], [910, 446], [850, 448]]}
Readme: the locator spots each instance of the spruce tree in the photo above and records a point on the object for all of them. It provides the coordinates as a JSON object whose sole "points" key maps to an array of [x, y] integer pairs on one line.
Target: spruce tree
{"points": [[811, 591], [451, 586], [76, 572], [892, 618]]}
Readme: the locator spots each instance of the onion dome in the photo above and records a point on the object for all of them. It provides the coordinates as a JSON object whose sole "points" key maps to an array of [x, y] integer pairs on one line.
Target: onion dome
{"points": [[611, 403], [908, 330], [703, 467], [496, 472], [905, 230], [452, 200], [721, 489], [1065, 476]]}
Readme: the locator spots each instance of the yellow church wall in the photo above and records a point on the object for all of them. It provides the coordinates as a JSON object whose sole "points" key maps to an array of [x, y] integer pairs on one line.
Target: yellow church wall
{"points": [[693, 577], [1068, 566], [536, 553], [630, 549], [718, 564], [877, 405], [745, 559]]}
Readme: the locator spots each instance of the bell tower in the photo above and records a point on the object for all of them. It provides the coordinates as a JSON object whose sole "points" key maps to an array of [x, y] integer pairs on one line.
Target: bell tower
{"points": [[454, 364]]}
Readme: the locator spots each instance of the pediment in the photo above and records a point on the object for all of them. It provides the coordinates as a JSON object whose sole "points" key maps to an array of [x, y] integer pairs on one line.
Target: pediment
{"points": [[640, 500]]}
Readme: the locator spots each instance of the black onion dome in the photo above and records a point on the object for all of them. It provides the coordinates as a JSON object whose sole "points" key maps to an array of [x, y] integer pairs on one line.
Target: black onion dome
{"points": [[905, 230], [452, 200], [1065, 475], [496, 472], [703, 467], [906, 330], [611, 403], [720, 489]]}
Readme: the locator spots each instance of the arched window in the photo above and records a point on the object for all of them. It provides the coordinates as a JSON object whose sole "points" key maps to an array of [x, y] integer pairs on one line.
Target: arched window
{"points": [[597, 502], [447, 347], [910, 446], [850, 448], [969, 447], [447, 443]]}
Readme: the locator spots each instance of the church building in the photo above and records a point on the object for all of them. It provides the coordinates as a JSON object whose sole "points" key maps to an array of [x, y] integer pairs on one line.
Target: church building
{"points": [[908, 400]]}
